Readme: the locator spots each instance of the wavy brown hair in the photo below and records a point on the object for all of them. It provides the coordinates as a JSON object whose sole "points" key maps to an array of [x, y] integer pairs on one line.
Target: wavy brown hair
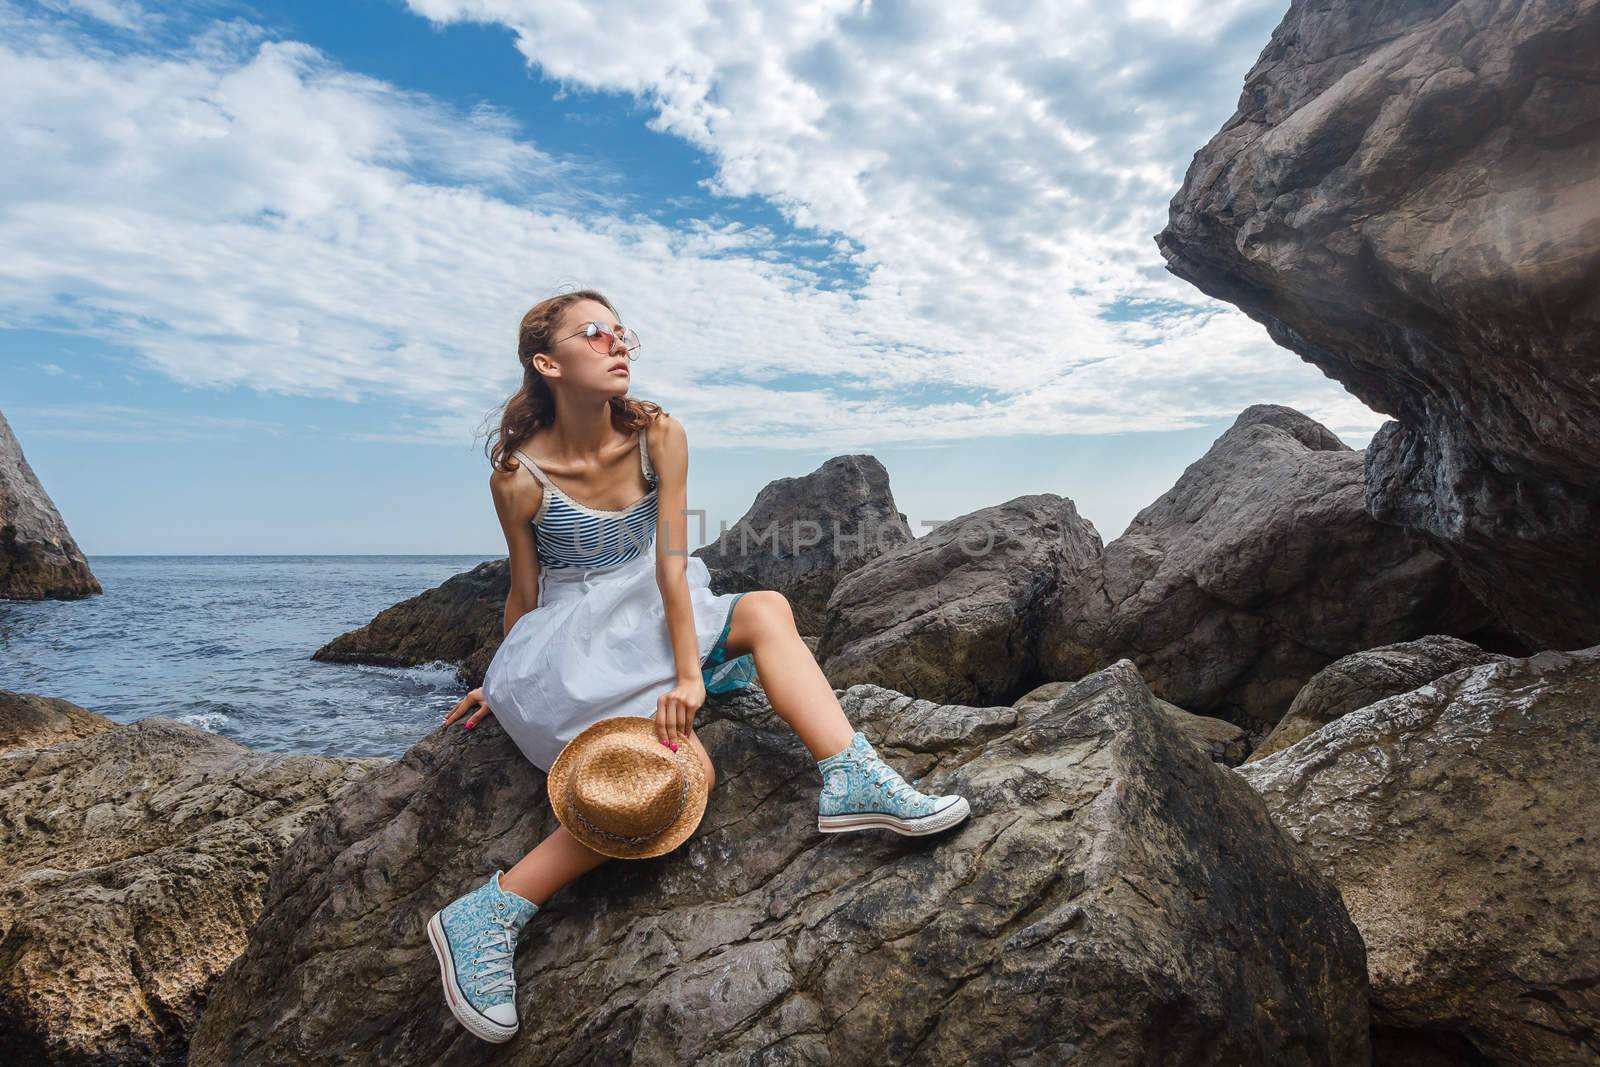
{"points": [[534, 405]]}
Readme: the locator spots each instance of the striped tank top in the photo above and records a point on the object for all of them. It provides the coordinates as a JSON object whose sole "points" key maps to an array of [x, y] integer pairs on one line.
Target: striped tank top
{"points": [[570, 534]]}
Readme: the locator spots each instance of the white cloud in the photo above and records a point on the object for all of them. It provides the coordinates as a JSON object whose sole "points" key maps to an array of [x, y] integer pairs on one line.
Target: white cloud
{"points": [[244, 211], [123, 14]]}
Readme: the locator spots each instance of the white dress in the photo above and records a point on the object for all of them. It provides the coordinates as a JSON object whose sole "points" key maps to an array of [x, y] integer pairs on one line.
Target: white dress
{"points": [[597, 644]]}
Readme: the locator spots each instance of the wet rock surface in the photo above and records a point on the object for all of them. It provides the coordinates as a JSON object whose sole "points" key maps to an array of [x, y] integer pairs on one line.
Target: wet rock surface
{"points": [[1115, 897], [1256, 570], [1459, 822], [38, 557], [954, 615], [802, 535], [132, 862], [1407, 197]]}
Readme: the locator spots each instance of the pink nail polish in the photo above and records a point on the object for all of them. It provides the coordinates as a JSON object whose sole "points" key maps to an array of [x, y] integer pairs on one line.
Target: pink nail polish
{"points": [[673, 747], [470, 725]]}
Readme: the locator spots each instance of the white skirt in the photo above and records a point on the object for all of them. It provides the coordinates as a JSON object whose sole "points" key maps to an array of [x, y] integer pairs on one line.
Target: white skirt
{"points": [[597, 646]]}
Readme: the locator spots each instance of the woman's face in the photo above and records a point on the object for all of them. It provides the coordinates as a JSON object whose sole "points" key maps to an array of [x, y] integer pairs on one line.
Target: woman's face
{"points": [[599, 365]]}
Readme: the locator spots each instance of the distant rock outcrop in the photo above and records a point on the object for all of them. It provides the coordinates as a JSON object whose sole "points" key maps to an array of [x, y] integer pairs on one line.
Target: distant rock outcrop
{"points": [[1256, 570], [461, 621], [29, 721], [132, 862], [38, 557], [802, 535], [1115, 897], [954, 616], [1363, 678], [1408, 197], [1459, 822]]}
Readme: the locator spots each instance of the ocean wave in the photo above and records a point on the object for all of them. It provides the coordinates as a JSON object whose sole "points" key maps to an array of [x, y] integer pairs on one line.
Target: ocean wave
{"points": [[205, 720]]}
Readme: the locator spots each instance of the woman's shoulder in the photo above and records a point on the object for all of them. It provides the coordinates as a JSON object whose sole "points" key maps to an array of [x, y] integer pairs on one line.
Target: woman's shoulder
{"points": [[661, 427], [517, 485]]}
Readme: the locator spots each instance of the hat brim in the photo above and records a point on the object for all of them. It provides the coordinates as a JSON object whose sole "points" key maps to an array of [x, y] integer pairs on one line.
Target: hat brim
{"points": [[558, 784]]}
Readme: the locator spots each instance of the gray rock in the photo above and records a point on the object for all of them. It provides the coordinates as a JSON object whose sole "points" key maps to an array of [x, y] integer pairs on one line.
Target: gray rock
{"points": [[1114, 898], [1407, 197], [802, 535], [954, 616], [1256, 570], [29, 721], [1459, 821], [131, 864], [1221, 741], [461, 621], [38, 557], [1364, 678]]}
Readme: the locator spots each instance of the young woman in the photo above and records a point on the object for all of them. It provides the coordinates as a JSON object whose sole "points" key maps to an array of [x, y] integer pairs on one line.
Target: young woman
{"points": [[608, 614]]}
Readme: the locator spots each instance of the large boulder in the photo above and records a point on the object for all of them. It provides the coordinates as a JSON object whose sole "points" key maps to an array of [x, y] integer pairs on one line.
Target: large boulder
{"points": [[29, 721], [461, 621], [1407, 196], [954, 616], [1459, 822], [1115, 898], [38, 557], [802, 535], [1257, 569], [1364, 678], [131, 864]]}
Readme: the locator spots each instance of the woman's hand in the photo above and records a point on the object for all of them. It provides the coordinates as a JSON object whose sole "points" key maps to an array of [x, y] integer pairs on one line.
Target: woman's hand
{"points": [[675, 711], [464, 708]]}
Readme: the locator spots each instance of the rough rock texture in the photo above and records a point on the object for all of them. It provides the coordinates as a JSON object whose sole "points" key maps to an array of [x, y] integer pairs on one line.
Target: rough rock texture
{"points": [[804, 534], [461, 621], [38, 557], [1408, 197], [1459, 821], [1114, 898], [1366, 677], [954, 615], [1256, 570], [131, 864], [29, 721], [1221, 741]]}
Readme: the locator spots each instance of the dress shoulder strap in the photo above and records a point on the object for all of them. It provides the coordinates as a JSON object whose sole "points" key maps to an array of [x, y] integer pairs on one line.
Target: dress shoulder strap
{"points": [[533, 468], [644, 457]]}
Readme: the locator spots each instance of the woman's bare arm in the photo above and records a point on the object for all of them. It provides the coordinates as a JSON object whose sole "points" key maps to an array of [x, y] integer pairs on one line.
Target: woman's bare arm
{"points": [[669, 455], [517, 496]]}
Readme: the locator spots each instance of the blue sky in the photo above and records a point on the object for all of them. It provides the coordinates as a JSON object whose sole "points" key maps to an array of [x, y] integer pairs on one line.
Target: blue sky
{"points": [[267, 260]]}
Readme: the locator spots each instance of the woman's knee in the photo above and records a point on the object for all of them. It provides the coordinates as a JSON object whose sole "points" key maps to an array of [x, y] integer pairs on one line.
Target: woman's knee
{"points": [[770, 607]]}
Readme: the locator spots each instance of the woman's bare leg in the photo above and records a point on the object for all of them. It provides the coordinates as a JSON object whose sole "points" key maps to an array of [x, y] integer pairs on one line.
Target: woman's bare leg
{"points": [[557, 860], [763, 624], [560, 857]]}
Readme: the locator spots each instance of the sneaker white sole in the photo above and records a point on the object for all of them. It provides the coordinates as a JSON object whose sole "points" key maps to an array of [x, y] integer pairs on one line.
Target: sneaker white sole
{"points": [[867, 820], [460, 1007]]}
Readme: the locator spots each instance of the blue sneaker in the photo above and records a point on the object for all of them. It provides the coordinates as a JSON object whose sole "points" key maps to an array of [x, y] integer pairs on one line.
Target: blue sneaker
{"points": [[860, 791], [474, 937]]}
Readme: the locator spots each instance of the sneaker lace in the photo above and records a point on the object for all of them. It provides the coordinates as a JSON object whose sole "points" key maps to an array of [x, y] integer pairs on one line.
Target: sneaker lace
{"points": [[887, 777], [496, 946]]}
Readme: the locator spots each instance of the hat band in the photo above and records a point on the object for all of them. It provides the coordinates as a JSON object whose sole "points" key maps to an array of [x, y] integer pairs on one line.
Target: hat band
{"points": [[683, 798]]}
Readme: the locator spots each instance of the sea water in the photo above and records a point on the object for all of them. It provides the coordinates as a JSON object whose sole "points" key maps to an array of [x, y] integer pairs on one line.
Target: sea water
{"points": [[225, 642]]}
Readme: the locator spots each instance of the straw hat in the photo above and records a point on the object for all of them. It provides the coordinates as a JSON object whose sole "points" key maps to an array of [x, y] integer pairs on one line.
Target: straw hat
{"points": [[619, 790]]}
